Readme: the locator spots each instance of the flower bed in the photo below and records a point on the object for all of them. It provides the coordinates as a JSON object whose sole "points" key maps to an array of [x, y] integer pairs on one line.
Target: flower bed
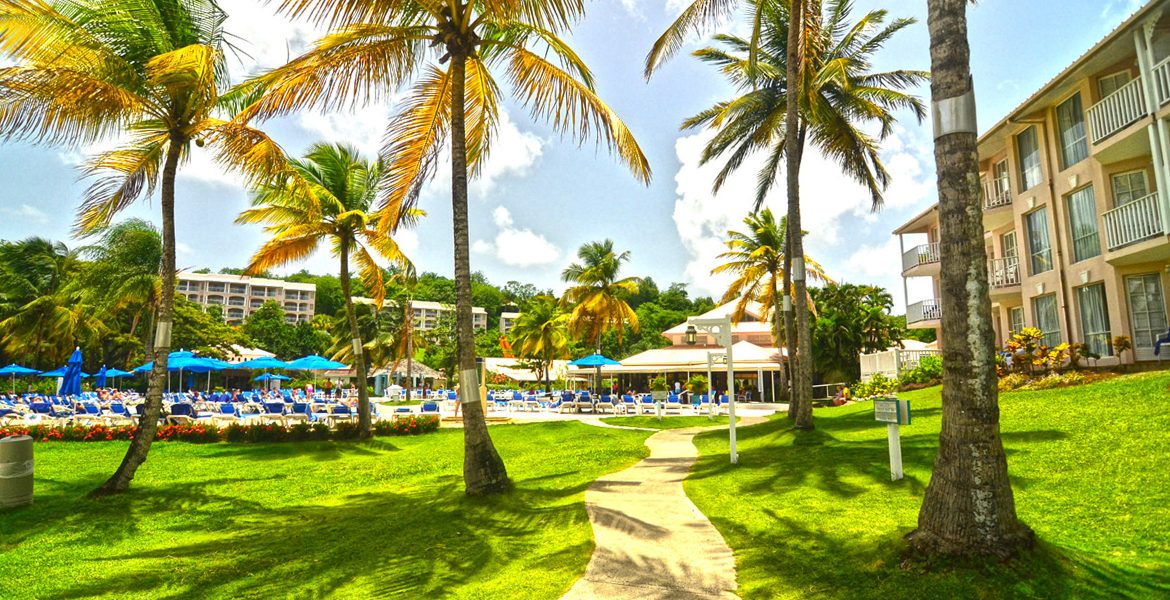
{"points": [[206, 433]]}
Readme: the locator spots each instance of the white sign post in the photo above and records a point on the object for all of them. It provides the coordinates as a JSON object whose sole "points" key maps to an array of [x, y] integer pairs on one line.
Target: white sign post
{"points": [[720, 329], [894, 413]]}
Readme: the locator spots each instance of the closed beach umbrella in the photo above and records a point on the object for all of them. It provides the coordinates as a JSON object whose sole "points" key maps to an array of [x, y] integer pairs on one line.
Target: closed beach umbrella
{"points": [[100, 379], [71, 380]]}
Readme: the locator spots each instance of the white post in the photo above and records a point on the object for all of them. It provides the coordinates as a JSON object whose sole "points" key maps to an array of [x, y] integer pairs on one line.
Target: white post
{"points": [[710, 390], [895, 439], [730, 396]]}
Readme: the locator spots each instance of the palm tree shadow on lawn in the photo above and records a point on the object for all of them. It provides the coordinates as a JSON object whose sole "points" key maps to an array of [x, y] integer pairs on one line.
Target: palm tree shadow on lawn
{"points": [[423, 543]]}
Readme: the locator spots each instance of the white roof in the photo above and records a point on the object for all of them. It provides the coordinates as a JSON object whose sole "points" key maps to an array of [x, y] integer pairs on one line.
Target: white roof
{"points": [[510, 367], [746, 356], [440, 306], [241, 354], [755, 309]]}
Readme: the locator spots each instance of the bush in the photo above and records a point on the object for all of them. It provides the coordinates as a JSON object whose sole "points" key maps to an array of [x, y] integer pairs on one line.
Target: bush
{"points": [[877, 386], [201, 433], [929, 370], [345, 431], [1012, 381], [409, 425], [197, 433]]}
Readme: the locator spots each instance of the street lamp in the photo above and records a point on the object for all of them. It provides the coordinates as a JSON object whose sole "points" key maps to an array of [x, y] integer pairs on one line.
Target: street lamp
{"points": [[720, 329]]}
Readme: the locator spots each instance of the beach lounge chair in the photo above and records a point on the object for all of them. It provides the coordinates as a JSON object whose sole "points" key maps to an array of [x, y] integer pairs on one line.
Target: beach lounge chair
{"points": [[226, 415], [118, 415], [604, 403], [585, 400], [429, 407], [273, 413], [181, 413], [646, 404], [340, 413], [704, 403], [532, 403], [628, 405], [673, 403], [301, 413], [721, 407]]}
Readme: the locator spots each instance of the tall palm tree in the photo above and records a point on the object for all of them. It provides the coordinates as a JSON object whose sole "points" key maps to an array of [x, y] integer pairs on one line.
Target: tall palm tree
{"points": [[756, 259], [449, 49], [838, 92], [41, 319], [152, 70], [328, 197], [598, 297], [541, 333], [968, 508]]}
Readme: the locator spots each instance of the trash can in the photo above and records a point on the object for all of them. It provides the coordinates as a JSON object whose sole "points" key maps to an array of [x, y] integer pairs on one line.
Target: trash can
{"points": [[16, 471]]}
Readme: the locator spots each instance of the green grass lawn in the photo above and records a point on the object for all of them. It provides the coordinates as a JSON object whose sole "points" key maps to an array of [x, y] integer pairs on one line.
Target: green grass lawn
{"points": [[816, 516], [356, 520], [650, 422]]}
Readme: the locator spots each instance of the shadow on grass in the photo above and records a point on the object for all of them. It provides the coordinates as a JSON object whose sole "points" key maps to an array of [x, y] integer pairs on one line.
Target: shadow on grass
{"points": [[322, 451], [824, 565]]}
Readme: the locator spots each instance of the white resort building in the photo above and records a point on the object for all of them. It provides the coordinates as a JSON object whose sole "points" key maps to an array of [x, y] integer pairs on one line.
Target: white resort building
{"points": [[239, 295]]}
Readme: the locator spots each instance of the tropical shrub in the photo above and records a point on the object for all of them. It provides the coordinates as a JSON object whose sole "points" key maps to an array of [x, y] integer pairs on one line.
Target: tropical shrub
{"points": [[929, 370], [410, 425], [1012, 381], [202, 433], [877, 386], [197, 433], [697, 384]]}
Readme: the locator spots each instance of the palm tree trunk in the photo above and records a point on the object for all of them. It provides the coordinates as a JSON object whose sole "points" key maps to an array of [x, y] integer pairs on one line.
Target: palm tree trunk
{"points": [[359, 356], [409, 347], [801, 404], [968, 508], [781, 319], [148, 424], [483, 469]]}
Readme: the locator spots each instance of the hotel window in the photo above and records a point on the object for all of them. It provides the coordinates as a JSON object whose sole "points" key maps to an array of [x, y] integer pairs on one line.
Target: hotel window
{"points": [[1039, 246], [1016, 316], [1044, 311], [1070, 122], [1111, 83], [1128, 187], [1029, 154], [1094, 318], [1002, 182], [1008, 243], [1082, 221]]}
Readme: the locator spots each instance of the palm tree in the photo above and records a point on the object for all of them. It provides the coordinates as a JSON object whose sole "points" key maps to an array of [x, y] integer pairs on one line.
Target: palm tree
{"points": [[837, 93], [449, 49], [152, 70], [599, 297], [756, 259], [41, 319], [407, 339], [968, 508], [122, 278], [541, 333], [328, 197]]}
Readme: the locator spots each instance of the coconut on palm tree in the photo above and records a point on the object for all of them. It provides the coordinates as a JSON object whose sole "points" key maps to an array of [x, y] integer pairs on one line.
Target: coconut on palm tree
{"points": [[838, 94], [541, 334], [445, 56], [968, 508], [152, 71], [598, 296], [756, 260], [328, 196]]}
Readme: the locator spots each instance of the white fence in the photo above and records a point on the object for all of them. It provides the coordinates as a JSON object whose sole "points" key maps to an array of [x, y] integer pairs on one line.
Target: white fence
{"points": [[892, 363], [1133, 222], [1116, 111]]}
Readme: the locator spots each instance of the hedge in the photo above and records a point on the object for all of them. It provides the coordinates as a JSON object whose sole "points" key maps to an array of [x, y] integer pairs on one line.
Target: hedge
{"points": [[200, 433]]}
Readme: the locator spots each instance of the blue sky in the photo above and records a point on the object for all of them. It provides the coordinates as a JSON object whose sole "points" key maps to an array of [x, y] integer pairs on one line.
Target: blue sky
{"points": [[543, 196]]}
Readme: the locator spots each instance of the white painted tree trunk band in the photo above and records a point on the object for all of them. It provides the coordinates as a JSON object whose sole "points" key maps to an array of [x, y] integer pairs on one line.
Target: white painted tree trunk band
{"points": [[468, 386], [797, 268], [954, 115], [162, 335], [787, 303], [16, 470], [357, 347]]}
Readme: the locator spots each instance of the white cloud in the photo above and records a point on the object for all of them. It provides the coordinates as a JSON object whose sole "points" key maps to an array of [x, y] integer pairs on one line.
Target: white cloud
{"points": [[633, 9], [25, 212], [517, 247], [827, 197], [184, 249], [513, 154], [362, 128]]}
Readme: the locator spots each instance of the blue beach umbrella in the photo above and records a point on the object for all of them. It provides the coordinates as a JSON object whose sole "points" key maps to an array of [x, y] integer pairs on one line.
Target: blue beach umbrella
{"points": [[314, 362], [597, 361], [71, 380], [54, 373], [100, 378], [13, 370], [262, 363], [115, 373], [271, 377]]}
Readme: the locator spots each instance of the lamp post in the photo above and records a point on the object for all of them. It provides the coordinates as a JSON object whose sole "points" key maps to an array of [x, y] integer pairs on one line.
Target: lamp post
{"points": [[711, 358], [720, 329]]}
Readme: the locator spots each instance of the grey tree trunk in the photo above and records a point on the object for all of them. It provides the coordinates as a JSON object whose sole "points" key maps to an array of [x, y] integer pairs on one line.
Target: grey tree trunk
{"points": [[359, 357], [148, 424], [968, 508], [483, 469], [780, 321], [801, 405]]}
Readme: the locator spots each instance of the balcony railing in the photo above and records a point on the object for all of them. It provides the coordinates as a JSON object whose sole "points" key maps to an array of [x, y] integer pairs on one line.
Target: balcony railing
{"points": [[994, 195], [1162, 81], [920, 255], [1133, 222], [1003, 272], [927, 310], [1116, 111]]}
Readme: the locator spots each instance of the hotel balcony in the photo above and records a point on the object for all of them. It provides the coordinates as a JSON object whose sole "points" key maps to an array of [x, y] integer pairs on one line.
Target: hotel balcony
{"points": [[1162, 81], [923, 315], [997, 202], [1116, 111], [1134, 232], [1003, 275], [920, 261]]}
